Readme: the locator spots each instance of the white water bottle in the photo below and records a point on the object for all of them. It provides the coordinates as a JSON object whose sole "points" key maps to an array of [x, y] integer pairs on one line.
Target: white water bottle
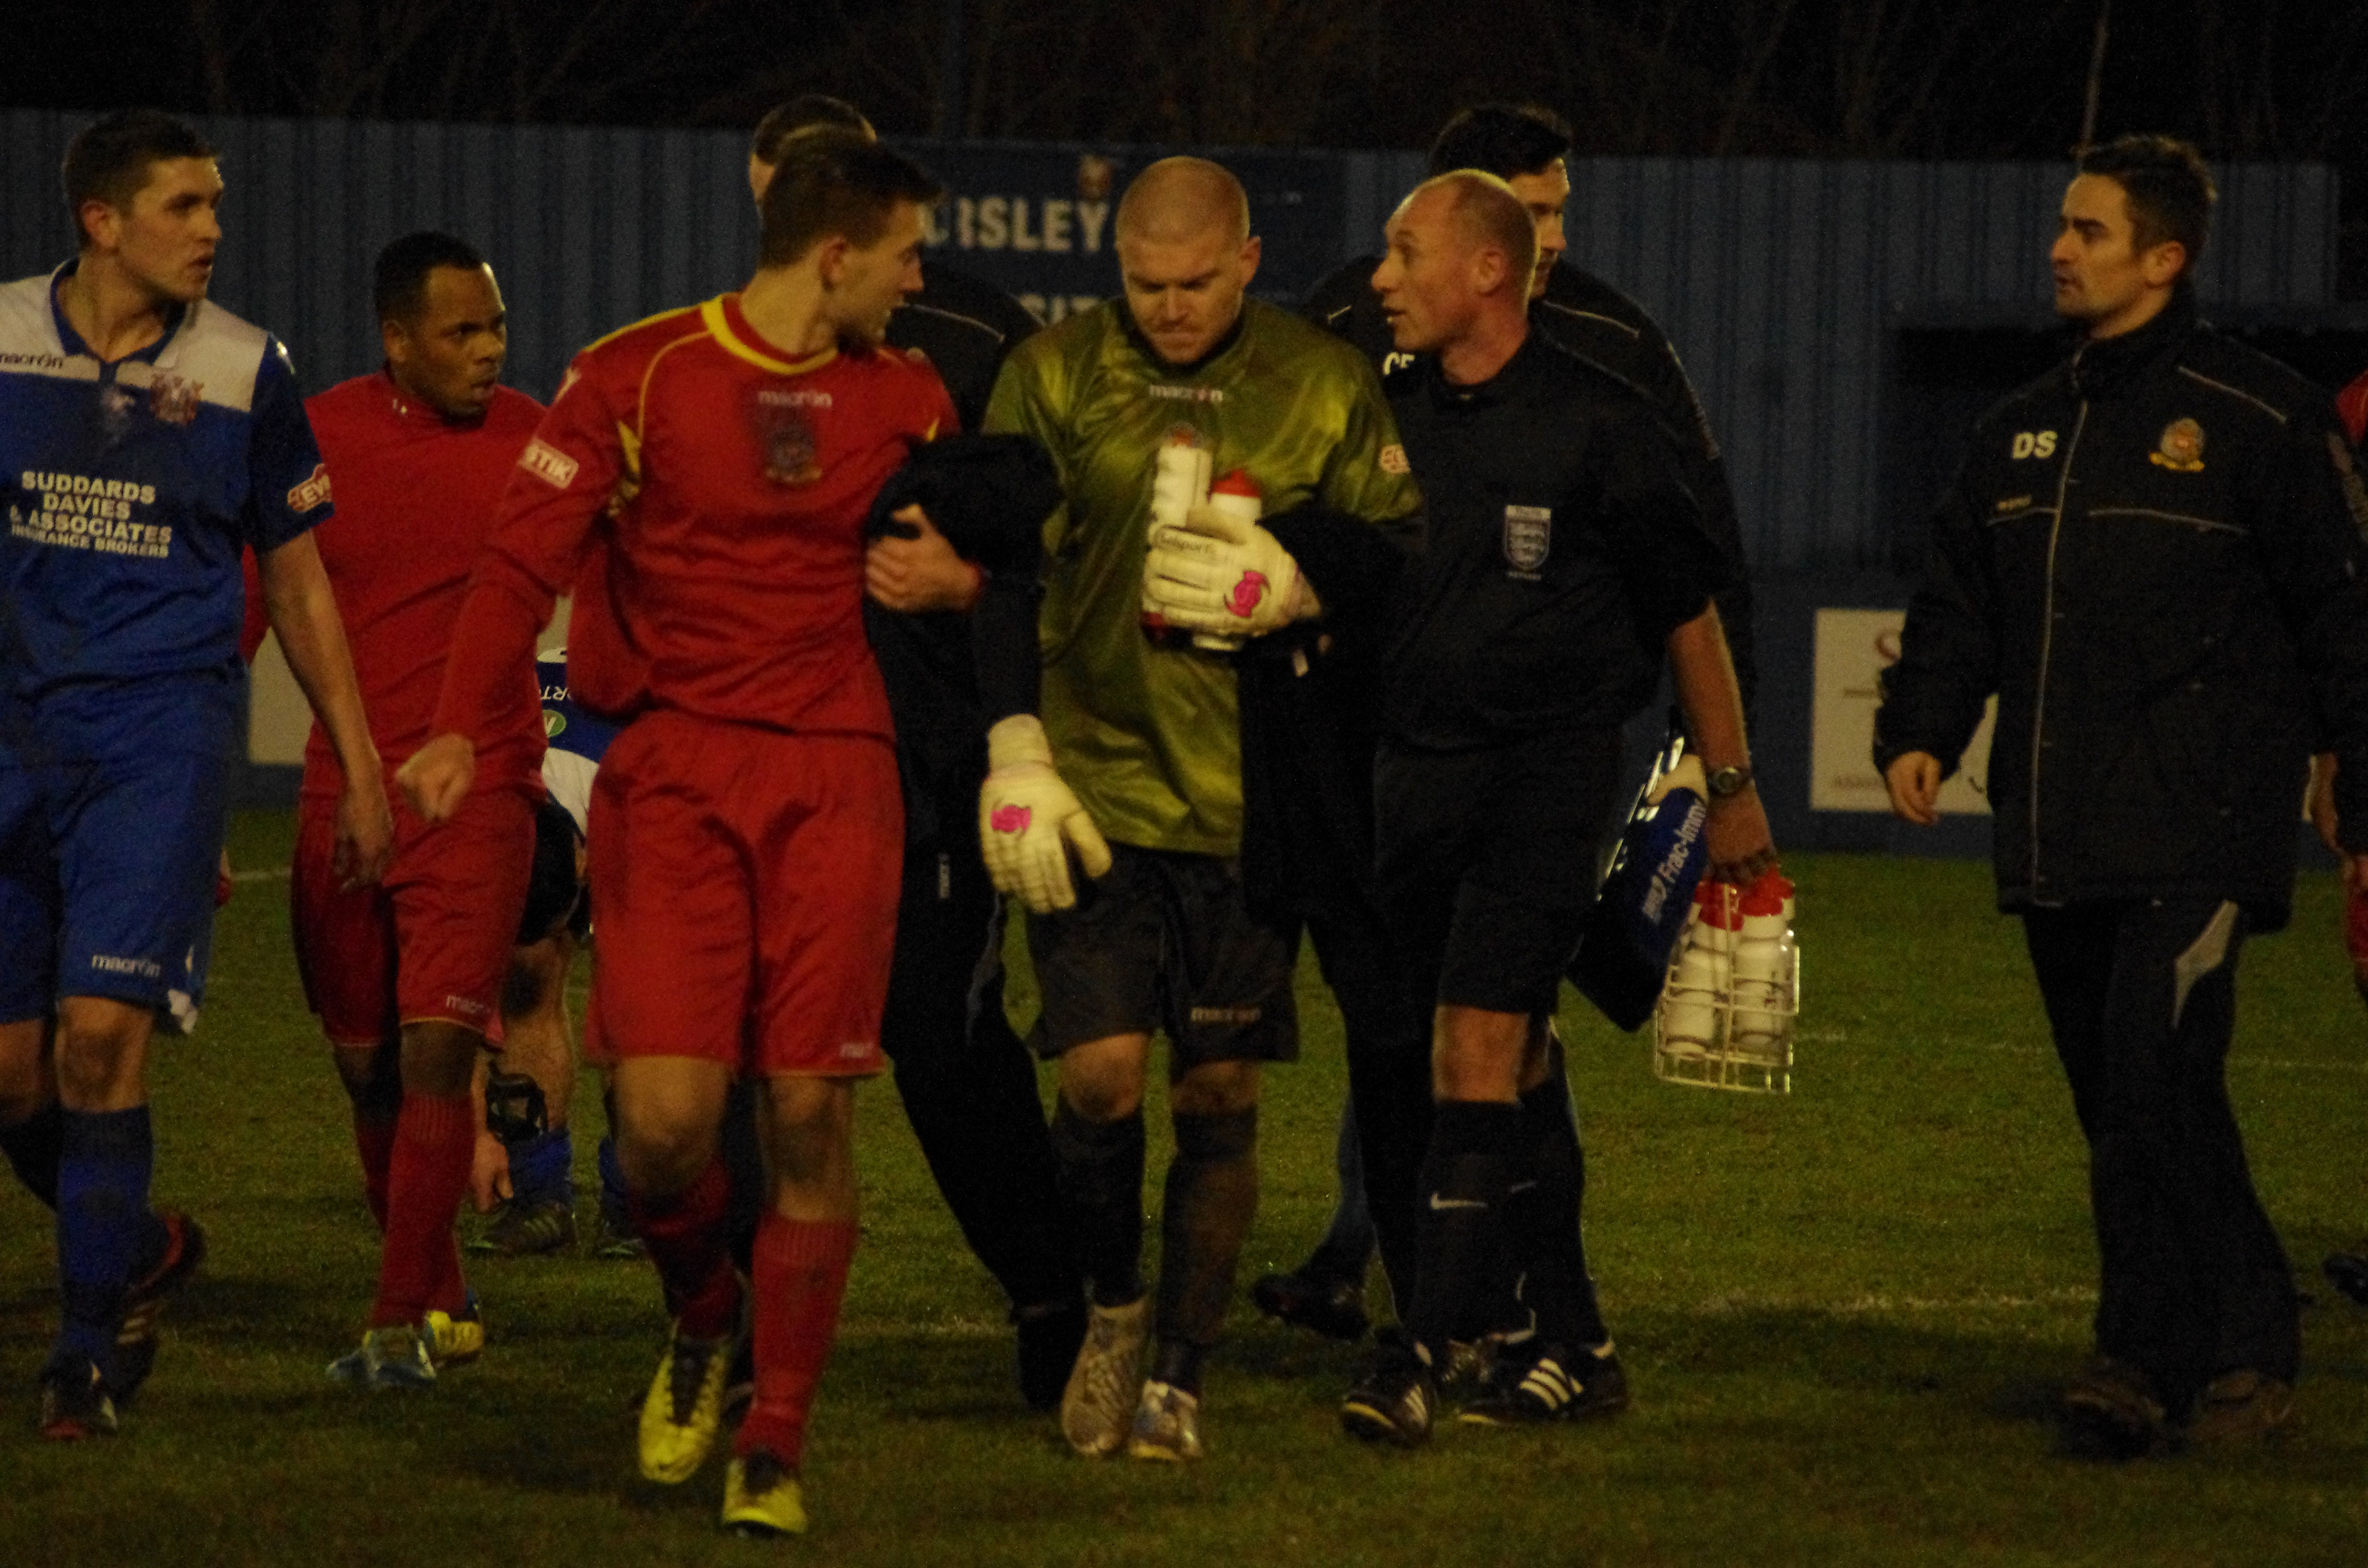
{"points": [[1763, 963], [1705, 971]]}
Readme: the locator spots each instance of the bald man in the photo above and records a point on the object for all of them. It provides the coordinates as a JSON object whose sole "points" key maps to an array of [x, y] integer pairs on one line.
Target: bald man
{"points": [[1175, 932], [1563, 549]]}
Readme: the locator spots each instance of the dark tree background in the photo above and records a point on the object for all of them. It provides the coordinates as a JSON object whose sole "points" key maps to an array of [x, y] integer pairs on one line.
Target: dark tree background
{"points": [[2247, 79]]}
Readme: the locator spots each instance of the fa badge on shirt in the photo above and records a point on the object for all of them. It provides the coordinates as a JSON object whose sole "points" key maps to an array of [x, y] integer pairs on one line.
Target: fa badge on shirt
{"points": [[1529, 535]]}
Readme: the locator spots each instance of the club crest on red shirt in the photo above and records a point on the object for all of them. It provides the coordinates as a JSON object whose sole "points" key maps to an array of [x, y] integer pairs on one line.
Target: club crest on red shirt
{"points": [[787, 439]]}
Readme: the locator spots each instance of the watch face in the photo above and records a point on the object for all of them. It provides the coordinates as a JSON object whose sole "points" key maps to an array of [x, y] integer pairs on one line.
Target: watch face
{"points": [[1728, 781]]}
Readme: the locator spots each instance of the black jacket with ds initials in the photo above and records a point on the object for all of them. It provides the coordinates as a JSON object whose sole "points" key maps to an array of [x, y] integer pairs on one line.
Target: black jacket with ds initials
{"points": [[2157, 556]]}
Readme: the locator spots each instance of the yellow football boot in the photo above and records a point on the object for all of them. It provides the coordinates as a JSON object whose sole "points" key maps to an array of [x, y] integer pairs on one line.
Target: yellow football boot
{"points": [[684, 1409], [762, 1498], [455, 1340]]}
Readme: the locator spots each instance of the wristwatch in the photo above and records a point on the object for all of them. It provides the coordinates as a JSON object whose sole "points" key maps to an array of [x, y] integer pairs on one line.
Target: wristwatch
{"points": [[1727, 782]]}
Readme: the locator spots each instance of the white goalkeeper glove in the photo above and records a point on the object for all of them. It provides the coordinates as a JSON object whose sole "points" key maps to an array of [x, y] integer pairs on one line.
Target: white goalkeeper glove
{"points": [[1028, 820], [1224, 575]]}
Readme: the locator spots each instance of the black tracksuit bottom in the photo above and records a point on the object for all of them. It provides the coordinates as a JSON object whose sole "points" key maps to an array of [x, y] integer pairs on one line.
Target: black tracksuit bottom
{"points": [[2141, 995], [968, 1082], [1387, 1026], [1308, 849]]}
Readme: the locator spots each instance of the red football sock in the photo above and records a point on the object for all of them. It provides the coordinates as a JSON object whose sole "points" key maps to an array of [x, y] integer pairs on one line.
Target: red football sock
{"points": [[374, 1139], [433, 1140], [685, 1235], [801, 1279], [451, 1295]]}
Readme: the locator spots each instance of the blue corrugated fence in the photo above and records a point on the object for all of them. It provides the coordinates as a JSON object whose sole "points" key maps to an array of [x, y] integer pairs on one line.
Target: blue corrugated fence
{"points": [[1782, 282]]}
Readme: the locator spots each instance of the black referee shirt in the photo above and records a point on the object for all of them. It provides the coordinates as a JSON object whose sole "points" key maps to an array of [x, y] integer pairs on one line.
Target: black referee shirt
{"points": [[1562, 547], [1611, 332]]}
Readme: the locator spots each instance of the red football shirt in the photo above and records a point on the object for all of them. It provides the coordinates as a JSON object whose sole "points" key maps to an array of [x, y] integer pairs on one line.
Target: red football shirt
{"points": [[2352, 403], [416, 497], [713, 496]]}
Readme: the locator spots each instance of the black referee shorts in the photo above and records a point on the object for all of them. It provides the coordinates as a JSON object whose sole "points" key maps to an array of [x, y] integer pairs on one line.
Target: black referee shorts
{"points": [[1166, 940], [1485, 861]]}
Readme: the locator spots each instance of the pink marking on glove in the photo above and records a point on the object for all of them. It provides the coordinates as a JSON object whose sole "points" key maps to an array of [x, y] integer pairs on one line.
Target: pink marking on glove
{"points": [[1246, 594], [1009, 819]]}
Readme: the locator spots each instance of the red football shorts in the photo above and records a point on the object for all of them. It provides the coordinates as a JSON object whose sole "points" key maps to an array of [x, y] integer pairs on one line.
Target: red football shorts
{"points": [[431, 942], [2355, 930], [743, 886]]}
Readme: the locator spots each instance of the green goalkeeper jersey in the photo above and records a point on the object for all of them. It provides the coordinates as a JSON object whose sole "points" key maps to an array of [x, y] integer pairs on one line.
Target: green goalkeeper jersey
{"points": [[1147, 732]]}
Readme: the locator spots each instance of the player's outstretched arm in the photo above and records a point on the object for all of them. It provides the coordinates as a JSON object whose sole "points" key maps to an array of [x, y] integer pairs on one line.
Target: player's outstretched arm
{"points": [[1741, 846], [564, 481], [437, 777], [305, 614], [1028, 820]]}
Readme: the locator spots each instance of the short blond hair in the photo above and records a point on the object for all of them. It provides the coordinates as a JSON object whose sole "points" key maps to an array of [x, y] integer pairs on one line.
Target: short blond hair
{"points": [[1184, 198]]}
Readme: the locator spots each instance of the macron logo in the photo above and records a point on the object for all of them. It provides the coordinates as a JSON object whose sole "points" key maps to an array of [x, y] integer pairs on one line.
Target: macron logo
{"points": [[548, 463]]}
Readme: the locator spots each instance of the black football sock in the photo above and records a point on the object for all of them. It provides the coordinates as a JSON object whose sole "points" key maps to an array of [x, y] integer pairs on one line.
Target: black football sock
{"points": [[32, 1147], [1210, 1198], [1177, 1363], [1101, 1181], [1464, 1182], [1541, 1220]]}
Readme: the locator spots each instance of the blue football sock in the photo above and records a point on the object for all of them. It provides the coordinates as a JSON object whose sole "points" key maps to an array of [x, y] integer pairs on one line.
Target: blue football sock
{"points": [[542, 1168], [105, 1160], [612, 1178], [32, 1146]]}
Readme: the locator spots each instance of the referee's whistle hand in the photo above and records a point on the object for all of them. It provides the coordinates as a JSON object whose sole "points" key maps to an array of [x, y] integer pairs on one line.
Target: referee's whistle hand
{"points": [[1739, 843], [1914, 780], [2322, 800], [436, 777]]}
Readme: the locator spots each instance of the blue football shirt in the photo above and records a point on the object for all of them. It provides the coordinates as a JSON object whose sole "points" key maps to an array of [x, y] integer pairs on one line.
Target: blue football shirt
{"points": [[130, 489]]}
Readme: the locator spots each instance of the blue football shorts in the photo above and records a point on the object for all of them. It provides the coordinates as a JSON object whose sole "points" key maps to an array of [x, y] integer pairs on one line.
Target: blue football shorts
{"points": [[107, 874]]}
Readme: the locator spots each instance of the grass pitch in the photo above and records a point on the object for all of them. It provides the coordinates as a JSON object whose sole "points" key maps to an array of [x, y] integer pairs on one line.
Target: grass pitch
{"points": [[1842, 1312]]}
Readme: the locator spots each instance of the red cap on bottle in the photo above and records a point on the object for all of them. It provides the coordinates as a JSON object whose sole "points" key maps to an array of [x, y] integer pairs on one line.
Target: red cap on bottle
{"points": [[1237, 482], [1767, 894], [1719, 905]]}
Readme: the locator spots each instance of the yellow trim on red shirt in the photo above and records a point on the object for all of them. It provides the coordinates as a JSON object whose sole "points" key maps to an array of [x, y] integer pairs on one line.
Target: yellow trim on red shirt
{"points": [[719, 322], [636, 327]]}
